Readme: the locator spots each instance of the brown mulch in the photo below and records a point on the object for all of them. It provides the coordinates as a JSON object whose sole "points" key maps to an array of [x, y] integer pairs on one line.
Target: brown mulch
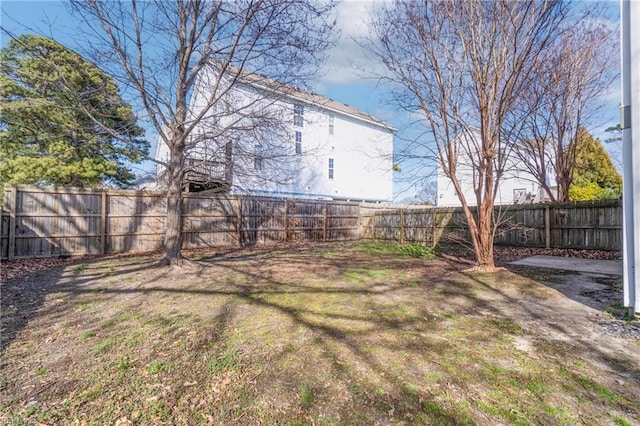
{"points": [[23, 267], [20, 268], [502, 256]]}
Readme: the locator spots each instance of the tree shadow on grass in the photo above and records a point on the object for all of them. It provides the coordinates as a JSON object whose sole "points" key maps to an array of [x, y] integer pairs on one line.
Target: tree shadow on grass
{"points": [[21, 299], [357, 336], [261, 291]]}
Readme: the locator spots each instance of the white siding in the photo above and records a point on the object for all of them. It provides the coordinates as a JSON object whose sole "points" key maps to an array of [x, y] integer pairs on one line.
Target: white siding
{"points": [[362, 152], [508, 185], [513, 183]]}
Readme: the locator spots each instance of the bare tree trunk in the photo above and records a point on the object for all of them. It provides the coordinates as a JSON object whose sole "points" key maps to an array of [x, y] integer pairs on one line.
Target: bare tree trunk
{"points": [[485, 226], [553, 197], [481, 233], [485, 236], [564, 182], [173, 221]]}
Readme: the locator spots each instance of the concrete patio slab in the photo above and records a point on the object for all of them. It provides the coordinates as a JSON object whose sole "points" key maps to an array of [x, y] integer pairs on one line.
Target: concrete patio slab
{"points": [[608, 267]]}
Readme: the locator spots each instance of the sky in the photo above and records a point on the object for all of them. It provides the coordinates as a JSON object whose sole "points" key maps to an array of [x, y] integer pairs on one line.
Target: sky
{"points": [[346, 77]]}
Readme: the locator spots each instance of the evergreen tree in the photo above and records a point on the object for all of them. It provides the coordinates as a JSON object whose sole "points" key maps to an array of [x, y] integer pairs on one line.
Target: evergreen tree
{"points": [[594, 175], [62, 119]]}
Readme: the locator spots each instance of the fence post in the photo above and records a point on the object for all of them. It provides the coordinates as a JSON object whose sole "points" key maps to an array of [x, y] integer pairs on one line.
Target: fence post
{"points": [[324, 222], [373, 225], [13, 201], [103, 223], [402, 232], [286, 219], [434, 227], [547, 227], [239, 220]]}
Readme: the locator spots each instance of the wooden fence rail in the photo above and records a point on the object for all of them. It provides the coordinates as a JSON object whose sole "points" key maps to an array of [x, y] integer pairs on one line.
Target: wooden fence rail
{"points": [[45, 222], [592, 225]]}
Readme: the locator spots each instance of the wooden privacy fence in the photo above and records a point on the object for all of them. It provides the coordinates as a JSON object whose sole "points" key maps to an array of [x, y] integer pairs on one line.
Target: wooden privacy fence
{"points": [[572, 225], [45, 222]]}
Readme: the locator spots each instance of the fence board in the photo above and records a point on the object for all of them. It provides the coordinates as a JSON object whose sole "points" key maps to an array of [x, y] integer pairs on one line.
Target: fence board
{"points": [[4, 234]]}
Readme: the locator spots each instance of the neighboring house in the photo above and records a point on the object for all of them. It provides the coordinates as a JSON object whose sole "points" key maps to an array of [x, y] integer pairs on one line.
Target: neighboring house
{"points": [[516, 186], [267, 138]]}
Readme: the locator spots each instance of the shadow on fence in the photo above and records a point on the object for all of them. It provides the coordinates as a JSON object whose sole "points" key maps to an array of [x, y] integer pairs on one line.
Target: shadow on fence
{"points": [[590, 225], [47, 222]]}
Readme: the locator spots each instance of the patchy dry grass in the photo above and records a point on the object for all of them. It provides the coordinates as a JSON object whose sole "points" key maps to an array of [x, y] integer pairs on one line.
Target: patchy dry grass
{"points": [[329, 334]]}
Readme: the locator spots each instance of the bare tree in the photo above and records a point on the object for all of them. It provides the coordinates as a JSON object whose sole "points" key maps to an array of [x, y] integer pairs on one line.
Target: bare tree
{"points": [[567, 88], [461, 65], [171, 52]]}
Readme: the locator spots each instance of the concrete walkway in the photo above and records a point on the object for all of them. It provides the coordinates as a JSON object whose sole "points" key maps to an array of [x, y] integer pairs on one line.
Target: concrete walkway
{"points": [[608, 267]]}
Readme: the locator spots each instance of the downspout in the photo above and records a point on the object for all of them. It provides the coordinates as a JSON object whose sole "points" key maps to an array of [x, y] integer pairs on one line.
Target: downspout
{"points": [[630, 121]]}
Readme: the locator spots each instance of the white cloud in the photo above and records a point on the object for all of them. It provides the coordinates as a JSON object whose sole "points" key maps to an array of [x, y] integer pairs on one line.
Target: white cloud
{"points": [[348, 62]]}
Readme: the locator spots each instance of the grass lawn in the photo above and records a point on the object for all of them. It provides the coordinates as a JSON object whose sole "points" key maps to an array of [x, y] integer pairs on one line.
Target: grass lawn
{"points": [[352, 334]]}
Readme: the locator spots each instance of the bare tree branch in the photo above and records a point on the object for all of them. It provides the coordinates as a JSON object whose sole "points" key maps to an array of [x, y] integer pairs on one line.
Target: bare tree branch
{"points": [[566, 92], [182, 60]]}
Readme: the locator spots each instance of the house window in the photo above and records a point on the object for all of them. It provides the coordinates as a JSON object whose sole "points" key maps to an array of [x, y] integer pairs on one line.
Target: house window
{"points": [[298, 114], [331, 120], [330, 168], [228, 151], [518, 195], [228, 157], [257, 157], [298, 142]]}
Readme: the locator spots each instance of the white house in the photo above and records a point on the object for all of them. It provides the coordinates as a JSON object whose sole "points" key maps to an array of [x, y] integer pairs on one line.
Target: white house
{"points": [[271, 139], [516, 186]]}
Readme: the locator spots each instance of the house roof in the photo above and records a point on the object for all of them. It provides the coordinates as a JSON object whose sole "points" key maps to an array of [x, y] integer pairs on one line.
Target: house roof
{"points": [[289, 91]]}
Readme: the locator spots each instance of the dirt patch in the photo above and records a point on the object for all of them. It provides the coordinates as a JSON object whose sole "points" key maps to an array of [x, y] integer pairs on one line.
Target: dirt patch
{"points": [[322, 334], [603, 293]]}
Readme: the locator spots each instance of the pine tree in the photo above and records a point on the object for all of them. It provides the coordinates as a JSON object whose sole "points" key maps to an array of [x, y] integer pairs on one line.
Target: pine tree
{"points": [[62, 119]]}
